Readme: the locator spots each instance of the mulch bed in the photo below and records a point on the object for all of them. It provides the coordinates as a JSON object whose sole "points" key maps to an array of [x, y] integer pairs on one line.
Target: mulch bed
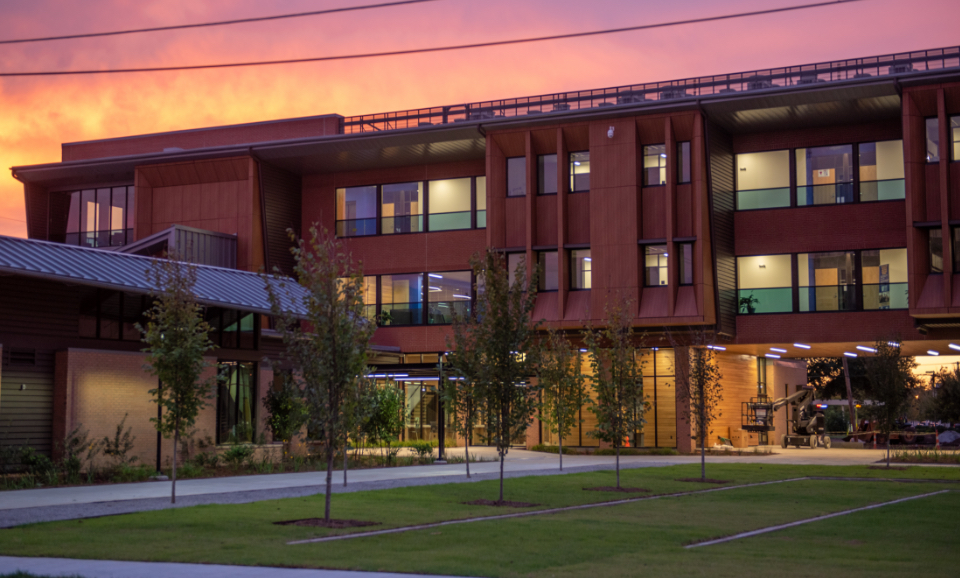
{"points": [[616, 489], [900, 468], [499, 503], [705, 481], [332, 524]]}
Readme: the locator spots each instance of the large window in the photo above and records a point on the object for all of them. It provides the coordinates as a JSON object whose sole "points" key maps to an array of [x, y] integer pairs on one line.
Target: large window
{"points": [[765, 284], [881, 171], [683, 162], [449, 202], [685, 251], [763, 180], [827, 281], [402, 208], [547, 175], [654, 165], [549, 271], [481, 202], [108, 314], [401, 299], [357, 211], [824, 175], [932, 126], [935, 242], [517, 177], [101, 217], [655, 265], [448, 295], [884, 279], [581, 269], [580, 172], [955, 137], [236, 402]]}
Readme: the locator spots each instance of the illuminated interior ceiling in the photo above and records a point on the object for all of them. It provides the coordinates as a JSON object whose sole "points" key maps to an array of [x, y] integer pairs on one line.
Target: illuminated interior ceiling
{"points": [[794, 351]]}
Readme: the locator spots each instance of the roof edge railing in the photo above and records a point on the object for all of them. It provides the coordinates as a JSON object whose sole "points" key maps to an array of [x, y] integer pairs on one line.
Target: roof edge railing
{"points": [[736, 83]]}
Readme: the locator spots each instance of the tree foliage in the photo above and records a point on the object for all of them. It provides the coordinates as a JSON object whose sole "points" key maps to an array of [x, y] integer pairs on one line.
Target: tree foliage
{"points": [[177, 339], [945, 403], [287, 412], [619, 402], [892, 382], [385, 421], [325, 335], [701, 391], [563, 389]]}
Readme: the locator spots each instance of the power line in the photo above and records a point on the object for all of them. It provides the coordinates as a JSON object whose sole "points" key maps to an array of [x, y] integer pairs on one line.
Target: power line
{"points": [[219, 23], [12, 219], [429, 50]]}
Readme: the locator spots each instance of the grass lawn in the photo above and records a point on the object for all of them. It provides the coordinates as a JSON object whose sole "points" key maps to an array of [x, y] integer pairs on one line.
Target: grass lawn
{"points": [[631, 539]]}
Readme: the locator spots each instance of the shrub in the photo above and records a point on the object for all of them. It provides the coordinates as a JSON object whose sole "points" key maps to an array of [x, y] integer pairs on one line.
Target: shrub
{"points": [[36, 464], [288, 412], [123, 473], [423, 449], [238, 454], [120, 445]]}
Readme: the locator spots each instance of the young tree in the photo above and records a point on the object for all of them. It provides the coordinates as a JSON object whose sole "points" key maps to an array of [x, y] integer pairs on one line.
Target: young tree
{"points": [[562, 385], [461, 395], [501, 334], [617, 379], [358, 411], [701, 391], [325, 334], [892, 382], [386, 422], [286, 408], [945, 406], [177, 338]]}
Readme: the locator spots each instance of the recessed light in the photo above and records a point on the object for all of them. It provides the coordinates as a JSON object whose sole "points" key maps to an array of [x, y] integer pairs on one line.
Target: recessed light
{"points": [[932, 352], [848, 354], [893, 344], [778, 350], [773, 355], [865, 348], [435, 276], [801, 346], [717, 347], [954, 346]]}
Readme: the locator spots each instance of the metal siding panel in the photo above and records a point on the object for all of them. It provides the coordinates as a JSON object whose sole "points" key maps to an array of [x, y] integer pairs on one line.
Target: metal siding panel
{"points": [[720, 167], [281, 192]]}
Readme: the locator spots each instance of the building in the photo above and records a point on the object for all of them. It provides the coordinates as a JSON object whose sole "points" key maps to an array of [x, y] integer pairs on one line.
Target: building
{"points": [[792, 212]]}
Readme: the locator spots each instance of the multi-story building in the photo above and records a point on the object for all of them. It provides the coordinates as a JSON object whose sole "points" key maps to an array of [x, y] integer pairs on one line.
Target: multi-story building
{"points": [[788, 213]]}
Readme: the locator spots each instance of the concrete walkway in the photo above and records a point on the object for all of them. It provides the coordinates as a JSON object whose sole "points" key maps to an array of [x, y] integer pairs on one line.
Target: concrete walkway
{"points": [[115, 569]]}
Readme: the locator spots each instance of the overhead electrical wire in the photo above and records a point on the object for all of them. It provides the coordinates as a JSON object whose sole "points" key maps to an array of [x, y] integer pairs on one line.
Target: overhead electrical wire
{"points": [[218, 23], [433, 49]]}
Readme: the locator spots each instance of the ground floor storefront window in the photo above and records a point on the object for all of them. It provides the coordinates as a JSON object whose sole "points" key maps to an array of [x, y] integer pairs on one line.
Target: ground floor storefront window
{"points": [[236, 402]]}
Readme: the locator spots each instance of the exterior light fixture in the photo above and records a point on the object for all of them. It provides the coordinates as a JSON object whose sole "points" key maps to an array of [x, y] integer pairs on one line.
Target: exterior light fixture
{"points": [[932, 352], [778, 350], [717, 347], [954, 346], [583, 351], [610, 132], [801, 346], [865, 348], [773, 355], [848, 354]]}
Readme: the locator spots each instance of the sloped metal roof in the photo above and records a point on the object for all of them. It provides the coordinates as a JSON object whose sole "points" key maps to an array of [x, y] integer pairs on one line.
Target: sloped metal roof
{"points": [[216, 286]]}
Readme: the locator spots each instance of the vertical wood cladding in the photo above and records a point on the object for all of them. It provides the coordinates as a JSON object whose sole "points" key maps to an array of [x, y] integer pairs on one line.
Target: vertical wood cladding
{"points": [[720, 184], [282, 210]]}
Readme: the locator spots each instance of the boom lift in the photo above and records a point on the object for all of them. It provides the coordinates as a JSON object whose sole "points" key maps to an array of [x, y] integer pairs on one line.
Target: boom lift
{"points": [[805, 427]]}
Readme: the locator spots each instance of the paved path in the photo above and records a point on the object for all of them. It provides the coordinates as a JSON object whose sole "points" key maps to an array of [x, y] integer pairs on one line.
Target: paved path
{"points": [[114, 569]]}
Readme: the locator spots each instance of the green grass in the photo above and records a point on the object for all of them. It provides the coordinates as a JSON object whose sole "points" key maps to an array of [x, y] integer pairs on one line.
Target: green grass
{"points": [[638, 538]]}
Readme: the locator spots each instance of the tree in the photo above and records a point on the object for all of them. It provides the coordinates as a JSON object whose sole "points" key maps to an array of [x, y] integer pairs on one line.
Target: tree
{"points": [[461, 396], [892, 382], [177, 339], [700, 389], [945, 405], [288, 412], [617, 379], [325, 334], [501, 334], [358, 410], [562, 385], [385, 422]]}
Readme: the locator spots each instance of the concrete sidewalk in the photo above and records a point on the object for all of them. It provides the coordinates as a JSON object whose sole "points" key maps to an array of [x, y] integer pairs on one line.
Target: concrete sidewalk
{"points": [[117, 569]]}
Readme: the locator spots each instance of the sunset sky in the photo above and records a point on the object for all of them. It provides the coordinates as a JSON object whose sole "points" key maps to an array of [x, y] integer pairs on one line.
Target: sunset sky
{"points": [[37, 114]]}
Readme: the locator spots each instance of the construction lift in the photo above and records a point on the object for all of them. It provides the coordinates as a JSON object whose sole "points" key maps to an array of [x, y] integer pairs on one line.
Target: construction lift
{"points": [[805, 426]]}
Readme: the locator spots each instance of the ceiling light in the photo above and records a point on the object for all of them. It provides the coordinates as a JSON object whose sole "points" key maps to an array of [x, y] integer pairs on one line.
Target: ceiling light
{"points": [[801, 346], [778, 350], [865, 348], [435, 289], [848, 354], [773, 355], [462, 296], [954, 346], [932, 352], [717, 347], [893, 344], [435, 276]]}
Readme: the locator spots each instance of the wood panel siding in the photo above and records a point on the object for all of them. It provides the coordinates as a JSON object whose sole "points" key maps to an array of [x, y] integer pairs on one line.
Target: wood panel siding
{"points": [[515, 230], [546, 227], [654, 208], [282, 210], [35, 307], [578, 219]]}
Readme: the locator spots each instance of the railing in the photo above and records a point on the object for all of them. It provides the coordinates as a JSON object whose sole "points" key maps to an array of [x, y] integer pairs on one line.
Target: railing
{"points": [[889, 190], [763, 198], [402, 224], [443, 312], [401, 314], [449, 221], [829, 298], [356, 227], [885, 296], [771, 300], [832, 194], [757, 80]]}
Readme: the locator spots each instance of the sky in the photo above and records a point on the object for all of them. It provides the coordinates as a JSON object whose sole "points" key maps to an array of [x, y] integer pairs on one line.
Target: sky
{"points": [[38, 114]]}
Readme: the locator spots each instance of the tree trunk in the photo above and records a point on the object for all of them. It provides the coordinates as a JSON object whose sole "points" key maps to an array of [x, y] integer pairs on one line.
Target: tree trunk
{"points": [[850, 405], [345, 461], [888, 450], [703, 456], [466, 453], [560, 437], [618, 466], [326, 508], [173, 486], [501, 477]]}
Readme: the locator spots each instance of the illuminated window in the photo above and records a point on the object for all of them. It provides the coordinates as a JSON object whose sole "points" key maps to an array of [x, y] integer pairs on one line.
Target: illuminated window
{"points": [[401, 299], [449, 204], [884, 279], [356, 211], [655, 268], [481, 202], [932, 126], [763, 180], [827, 281], [100, 217], [881, 171], [654, 165], [236, 402], [401, 208], [581, 269], [764, 284], [449, 294], [580, 172], [824, 175]]}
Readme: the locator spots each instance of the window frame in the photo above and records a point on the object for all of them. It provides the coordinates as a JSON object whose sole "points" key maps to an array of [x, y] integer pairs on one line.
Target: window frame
{"points": [[666, 257], [507, 177], [574, 271], [926, 121], [573, 190], [542, 175], [680, 260], [662, 168], [680, 164]]}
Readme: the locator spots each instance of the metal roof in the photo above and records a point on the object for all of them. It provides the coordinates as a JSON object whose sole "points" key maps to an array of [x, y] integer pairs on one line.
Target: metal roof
{"points": [[216, 286]]}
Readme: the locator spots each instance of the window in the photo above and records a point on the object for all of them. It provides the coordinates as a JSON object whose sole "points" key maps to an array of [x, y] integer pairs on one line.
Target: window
{"points": [[933, 140], [448, 295], [517, 177], [884, 279], [764, 284], [654, 165], [683, 162], [827, 281], [449, 202], [763, 180], [481, 202], [401, 208], [106, 314], [549, 271], [881, 171], [236, 402], [580, 172], [935, 237], [513, 261], [824, 175], [547, 175], [356, 211], [581, 269], [370, 297], [686, 263], [655, 268], [955, 137], [401, 298], [100, 217]]}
